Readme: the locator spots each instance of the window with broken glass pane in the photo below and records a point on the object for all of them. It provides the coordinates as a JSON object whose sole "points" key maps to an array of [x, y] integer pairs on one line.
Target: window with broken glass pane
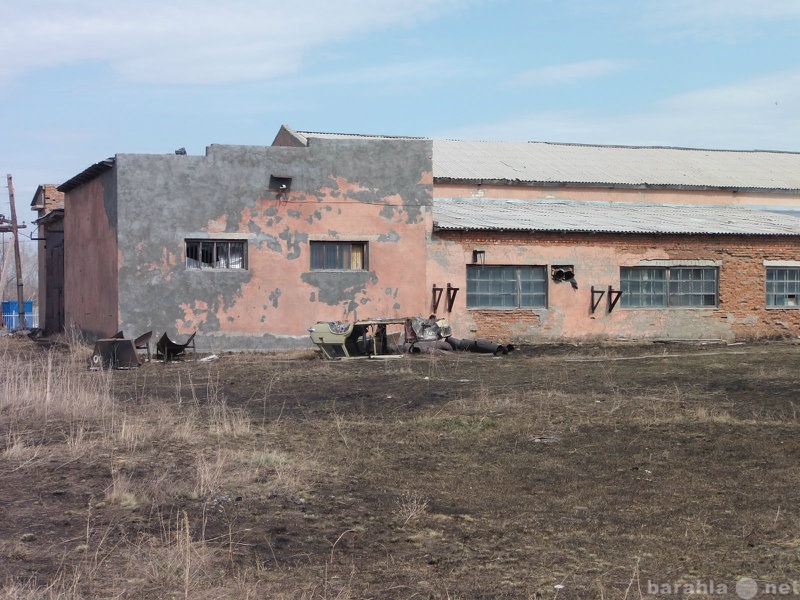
{"points": [[216, 254], [783, 287]]}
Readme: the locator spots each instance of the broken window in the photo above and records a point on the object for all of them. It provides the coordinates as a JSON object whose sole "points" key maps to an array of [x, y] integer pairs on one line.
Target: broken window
{"points": [[507, 286], [783, 287], [216, 254], [662, 287], [345, 256]]}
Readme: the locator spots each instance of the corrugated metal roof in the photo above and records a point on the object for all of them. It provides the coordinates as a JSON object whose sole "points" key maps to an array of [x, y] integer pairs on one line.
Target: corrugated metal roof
{"points": [[608, 217], [54, 215], [87, 174], [622, 166], [539, 162], [320, 134]]}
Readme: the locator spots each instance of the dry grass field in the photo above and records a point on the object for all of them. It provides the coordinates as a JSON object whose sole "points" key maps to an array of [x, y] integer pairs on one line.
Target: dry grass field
{"points": [[604, 471]]}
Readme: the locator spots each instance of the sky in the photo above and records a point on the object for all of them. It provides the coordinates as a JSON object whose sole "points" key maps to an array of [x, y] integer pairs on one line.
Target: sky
{"points": [[83, 80]]}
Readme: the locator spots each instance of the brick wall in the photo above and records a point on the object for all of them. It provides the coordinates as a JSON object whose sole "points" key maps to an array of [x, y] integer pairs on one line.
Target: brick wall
{"points": [[741, 312]]}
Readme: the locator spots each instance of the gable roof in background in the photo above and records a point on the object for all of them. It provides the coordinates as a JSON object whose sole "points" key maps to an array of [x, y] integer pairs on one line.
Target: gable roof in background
{"points": [[614, 166], [605, 166]]}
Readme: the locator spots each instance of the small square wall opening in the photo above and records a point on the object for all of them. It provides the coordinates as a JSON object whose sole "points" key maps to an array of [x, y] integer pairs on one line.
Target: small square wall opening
{"points": [[280, 184], [562, 272]]}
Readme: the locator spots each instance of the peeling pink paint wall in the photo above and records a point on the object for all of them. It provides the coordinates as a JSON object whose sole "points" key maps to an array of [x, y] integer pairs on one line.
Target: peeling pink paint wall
{"points": [[369, 191], [269, 301]]}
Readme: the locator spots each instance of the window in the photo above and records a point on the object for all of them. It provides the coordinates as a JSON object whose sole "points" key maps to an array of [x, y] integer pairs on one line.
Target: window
{"points": [[783, 287], [643, 287], [216, 254], [654, 287], [339, 255], [506, 286]]}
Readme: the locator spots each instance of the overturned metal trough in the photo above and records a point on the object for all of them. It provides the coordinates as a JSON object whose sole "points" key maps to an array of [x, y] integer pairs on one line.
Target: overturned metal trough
{"points": [[114, 353]]}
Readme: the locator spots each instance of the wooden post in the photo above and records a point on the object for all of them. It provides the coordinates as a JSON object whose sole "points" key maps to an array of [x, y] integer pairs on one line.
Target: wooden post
{"points": [[18, 260]]}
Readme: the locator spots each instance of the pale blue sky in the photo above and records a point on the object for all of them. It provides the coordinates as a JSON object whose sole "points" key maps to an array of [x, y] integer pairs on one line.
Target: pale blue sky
{"points": [[82, 80]]}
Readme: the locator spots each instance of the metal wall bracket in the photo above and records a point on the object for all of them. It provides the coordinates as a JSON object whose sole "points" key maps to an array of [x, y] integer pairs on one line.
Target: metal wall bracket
{"points": [[437, 297], [597, 296], [451, 297], [613, 298]]}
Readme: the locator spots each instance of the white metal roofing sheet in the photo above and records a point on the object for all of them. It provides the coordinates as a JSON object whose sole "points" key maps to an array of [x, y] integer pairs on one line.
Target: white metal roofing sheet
{"points": [[615, 165], [583, 164], [608, 217]]}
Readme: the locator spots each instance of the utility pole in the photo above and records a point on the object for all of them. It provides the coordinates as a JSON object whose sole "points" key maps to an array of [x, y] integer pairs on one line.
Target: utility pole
{"points": [[18, 260]]}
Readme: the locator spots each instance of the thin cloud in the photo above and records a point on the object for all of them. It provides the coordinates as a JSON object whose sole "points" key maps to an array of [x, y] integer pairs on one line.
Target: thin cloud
{"points": [[720, 19], [424, 72], [759, 113], [200, 42], [778, 89], [728, 11], [570, 73]]}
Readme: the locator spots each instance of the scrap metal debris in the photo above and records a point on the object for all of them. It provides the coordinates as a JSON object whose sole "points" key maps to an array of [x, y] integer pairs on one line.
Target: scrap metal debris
{"points": [[415, 335]]}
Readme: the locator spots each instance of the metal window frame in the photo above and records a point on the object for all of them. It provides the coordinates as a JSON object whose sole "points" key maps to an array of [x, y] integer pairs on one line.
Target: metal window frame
{"points": [[670, 295], [216, 246], [472, 282], [792, 280], [341, 260]]}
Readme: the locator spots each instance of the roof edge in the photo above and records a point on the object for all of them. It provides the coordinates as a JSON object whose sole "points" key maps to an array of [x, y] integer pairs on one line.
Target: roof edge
{"points": [[88, 174], [533, 230], [611, 186], [287, 136], [54, 215]]}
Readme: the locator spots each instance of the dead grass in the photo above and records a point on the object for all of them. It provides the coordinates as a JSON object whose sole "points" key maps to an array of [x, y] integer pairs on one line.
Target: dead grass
{"points": [[536, 475]]}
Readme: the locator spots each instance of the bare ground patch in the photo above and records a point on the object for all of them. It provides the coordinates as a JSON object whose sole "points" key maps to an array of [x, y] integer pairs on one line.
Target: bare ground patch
{"points": [[568, 471]]}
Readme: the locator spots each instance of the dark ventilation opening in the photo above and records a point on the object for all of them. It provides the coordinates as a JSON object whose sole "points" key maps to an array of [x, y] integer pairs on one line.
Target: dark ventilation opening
{"points": [[280, 185], [562, 272]]}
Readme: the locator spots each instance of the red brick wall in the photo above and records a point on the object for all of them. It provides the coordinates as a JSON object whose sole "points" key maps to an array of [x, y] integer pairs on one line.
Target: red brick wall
{"points": [[741, 313]]}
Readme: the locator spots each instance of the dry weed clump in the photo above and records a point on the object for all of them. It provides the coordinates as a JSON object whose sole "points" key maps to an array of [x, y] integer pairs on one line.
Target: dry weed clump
{"points": [[410, 507], [121, 491], [47, 389], [281, 472], [19, 449], [61, 589], [226, 421], [210, 473]]}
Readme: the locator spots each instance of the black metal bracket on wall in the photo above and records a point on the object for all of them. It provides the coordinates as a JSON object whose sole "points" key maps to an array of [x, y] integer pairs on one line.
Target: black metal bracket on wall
{"points": [[450, 297], [613, 298], [597, 296], [437, 296]]}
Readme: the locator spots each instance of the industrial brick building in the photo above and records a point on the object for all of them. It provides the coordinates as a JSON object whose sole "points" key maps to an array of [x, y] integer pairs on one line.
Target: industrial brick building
{"points": [[518, 242], [662, 242], [48, 202]]}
